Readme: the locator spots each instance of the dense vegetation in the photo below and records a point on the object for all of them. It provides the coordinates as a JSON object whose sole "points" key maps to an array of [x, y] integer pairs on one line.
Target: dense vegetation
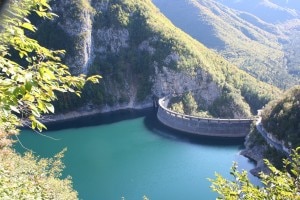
{"points": [[281, 117], [186, 104], [228, 105], [30, 74]]}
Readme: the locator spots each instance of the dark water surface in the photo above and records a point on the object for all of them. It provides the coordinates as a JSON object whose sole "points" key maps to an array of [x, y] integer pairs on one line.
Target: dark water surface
{"points": [[129, 154]]}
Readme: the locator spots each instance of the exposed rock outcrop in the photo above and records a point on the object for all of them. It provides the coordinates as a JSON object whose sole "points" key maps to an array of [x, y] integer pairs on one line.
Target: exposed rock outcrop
{"points": [[255, 149], [76, 20], [167, 82]]}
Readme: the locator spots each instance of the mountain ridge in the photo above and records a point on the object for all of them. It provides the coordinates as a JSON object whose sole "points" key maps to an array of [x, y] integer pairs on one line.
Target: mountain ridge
{"points": [[244, 39]]}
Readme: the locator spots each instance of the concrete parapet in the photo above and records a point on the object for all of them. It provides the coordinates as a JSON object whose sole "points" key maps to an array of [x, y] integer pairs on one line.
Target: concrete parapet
{"points": [[202, 126]]}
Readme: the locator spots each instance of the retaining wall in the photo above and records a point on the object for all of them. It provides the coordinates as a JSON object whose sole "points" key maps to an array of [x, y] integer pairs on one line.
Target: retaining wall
{"points": [[202, 126]]}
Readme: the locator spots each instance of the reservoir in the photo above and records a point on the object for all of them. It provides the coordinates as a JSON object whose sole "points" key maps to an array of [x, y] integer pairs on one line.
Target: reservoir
{"points": [[130, 154]]}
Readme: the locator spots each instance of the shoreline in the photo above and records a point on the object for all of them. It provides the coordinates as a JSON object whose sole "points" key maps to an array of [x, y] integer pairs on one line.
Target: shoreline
{"points": [[255, 150], [255, 154], [85, 112]]}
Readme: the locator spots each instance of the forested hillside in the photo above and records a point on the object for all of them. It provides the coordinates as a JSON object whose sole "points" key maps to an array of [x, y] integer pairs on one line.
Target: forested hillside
{"points": [[140, 53], [242, 33], [282, 117], [271, 11], [279, 17]]}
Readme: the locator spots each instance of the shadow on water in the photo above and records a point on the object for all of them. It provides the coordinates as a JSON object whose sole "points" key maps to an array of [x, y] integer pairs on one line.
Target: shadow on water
{"points": [[98, 119], [151, 123]]}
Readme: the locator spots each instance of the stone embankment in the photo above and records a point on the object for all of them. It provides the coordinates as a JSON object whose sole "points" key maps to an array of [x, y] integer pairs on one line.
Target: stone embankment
{"points": [[202, 126]]}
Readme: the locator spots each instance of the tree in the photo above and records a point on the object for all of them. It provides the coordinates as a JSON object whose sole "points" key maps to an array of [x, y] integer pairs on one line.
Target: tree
{"points": [[28, 83], [190, 105], [30, 74], [284, 184]]}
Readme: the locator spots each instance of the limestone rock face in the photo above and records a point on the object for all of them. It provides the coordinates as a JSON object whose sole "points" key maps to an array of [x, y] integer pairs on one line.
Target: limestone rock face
{"points": [[170, 82], [110, 40], [77, 22]]}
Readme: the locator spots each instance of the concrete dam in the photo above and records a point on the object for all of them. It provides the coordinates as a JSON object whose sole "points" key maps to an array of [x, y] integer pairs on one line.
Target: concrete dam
{"points": [[234, 128]]}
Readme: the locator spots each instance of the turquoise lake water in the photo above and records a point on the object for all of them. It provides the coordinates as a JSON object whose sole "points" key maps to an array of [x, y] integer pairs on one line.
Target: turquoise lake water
{"points": [[129, 154]]}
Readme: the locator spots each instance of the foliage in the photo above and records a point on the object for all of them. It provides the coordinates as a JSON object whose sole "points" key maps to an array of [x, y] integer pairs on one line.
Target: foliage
{"points": [[28, 177], [277, 185], [190, 105], [254, 138], [187, 104], [281, 117], [274, 156], [230, 105], [27, 90], [177, 107], [253, 97], [30, 74]]}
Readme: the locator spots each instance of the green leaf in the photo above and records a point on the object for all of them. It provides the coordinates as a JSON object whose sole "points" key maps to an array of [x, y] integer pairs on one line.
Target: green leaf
{"points": [[33, 121], [28, 97], [28, 86], [41, 14], [40, 126], [29, 26], [46, 73], [44, 3], [34, 110], [41, 105], [94, 79], [22, 54], [50, 107]]}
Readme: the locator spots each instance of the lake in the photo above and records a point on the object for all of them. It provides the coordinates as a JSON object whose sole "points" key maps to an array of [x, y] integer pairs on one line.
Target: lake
{"points": [[130, 154]]}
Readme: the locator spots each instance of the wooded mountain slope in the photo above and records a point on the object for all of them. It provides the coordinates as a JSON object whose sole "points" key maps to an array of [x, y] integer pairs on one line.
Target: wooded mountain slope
{"points": [[270, 11], [239, 31], [140, 53], [282, 117]]}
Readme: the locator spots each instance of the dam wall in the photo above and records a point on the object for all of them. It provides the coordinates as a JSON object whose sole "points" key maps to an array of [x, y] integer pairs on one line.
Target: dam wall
{"points": [[202, 126]]}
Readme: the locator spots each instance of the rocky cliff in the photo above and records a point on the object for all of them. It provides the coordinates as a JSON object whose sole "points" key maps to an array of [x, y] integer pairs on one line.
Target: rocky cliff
{"points": [[255, 149], [140, 53]]}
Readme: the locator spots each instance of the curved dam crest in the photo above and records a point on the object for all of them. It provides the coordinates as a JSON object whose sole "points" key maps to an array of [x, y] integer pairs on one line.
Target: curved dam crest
{"points": [[215, 127]]}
